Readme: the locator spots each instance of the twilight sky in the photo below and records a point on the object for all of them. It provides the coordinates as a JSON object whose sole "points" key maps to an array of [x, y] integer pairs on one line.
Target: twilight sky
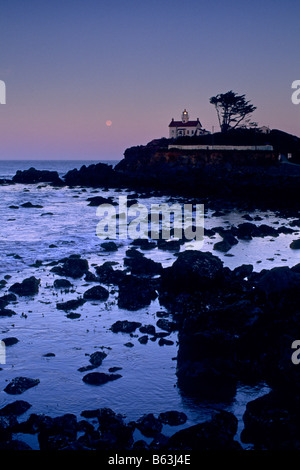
{"points": [[71, 65]]}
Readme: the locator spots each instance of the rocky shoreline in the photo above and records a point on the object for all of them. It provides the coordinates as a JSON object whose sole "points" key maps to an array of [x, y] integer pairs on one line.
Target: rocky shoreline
{"points": [[233, 326]]}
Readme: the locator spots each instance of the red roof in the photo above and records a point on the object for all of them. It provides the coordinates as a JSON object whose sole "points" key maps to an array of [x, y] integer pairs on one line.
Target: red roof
{"points": [[184, 124]]}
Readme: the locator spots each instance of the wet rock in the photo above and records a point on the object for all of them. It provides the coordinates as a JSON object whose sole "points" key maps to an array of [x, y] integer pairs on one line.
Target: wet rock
{"points": [[140, 265], [109, 246], [100, 378], [115, 434], [148, 329], [14, 444], [169, 245], [280, 286], [10, 341], [125, 326], [193, 270], [33, 176], [98, 200], [243, 271], [216, 434], [20, 384], [96, 293], [165, 342], [16, 408], [114, 369], [272, 422], [166, 325], [28, 287], [295, 245], [74, 267], [73, 316], [6, 425], [29, 205], [62, 284], [172, 418], [135, 293], [49, 355], [143, 339], [246, 231], [149, 425], [144, 243], [222, 246], [70, 304], [8, 298], [107, 275], [58, 433], [5, 312], [129, 345], [97, 358], [94, 175]]}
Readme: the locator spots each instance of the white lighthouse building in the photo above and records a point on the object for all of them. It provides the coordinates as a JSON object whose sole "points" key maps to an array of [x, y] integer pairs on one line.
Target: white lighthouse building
{"points": [[185, 127]]}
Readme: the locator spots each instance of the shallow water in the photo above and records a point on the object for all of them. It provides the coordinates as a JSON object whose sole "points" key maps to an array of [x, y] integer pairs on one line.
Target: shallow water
{"points": [[66, 225]]}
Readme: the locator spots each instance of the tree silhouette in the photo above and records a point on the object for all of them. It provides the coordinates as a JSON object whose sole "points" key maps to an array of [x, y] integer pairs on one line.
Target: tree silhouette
{"points": [[231, 109]]}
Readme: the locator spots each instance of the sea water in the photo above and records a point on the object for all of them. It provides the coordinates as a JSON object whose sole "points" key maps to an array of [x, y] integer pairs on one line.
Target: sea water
{"points": [[66, 225]]}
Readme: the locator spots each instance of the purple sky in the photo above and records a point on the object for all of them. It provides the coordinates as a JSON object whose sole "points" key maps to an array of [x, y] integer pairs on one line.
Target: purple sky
{"points": [[71, 65]]}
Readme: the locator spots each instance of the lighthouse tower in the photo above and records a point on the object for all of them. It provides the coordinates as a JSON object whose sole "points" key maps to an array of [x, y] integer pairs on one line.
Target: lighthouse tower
{"points": [[185, 116]]}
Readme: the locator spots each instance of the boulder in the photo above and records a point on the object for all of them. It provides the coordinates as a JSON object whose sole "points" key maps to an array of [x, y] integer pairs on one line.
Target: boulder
{"points": [[28, 287], [20, 384], [172, 418], [100, 378], [70, 304], [216, 434], [135, 293], [125, 326], [96, 293], [193, 270], [149, 425], [33, 176], [62, 284]]}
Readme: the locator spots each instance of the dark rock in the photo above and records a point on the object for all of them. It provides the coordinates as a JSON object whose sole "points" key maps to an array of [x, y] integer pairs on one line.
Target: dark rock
{"points": [[99, 200], [114, 369], [272, 422], [97, 357], [28, 287], [109, 246], [100, 378], [16, 408], [49, 355], [129, 345], [243, 271], [74, 267], [169, 245], [165, 342], [216, 434], [144, 243], [166, 325], [14, 444], [138, 264], [8, 298], [107, 275], [96, 293], [222, 246], [143, 339], [70, 304], [295, 245], [94, 175], [280, 285], [20, 384], [147, 329], [33, 176], [62, 284], [135, 293], [172, 418], [192, 271], [29, 205], [115, 434], [10, 341], [73, 315], [5, 312], [125, 326], [149, 425]]}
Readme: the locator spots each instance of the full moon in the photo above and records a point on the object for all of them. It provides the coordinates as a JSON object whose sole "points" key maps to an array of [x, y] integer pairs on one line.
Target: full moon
{"points": [[108, 123]]}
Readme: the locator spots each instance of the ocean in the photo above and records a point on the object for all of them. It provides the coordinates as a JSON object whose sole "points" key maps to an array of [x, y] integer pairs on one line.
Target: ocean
{"points": [[63, 224]]}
